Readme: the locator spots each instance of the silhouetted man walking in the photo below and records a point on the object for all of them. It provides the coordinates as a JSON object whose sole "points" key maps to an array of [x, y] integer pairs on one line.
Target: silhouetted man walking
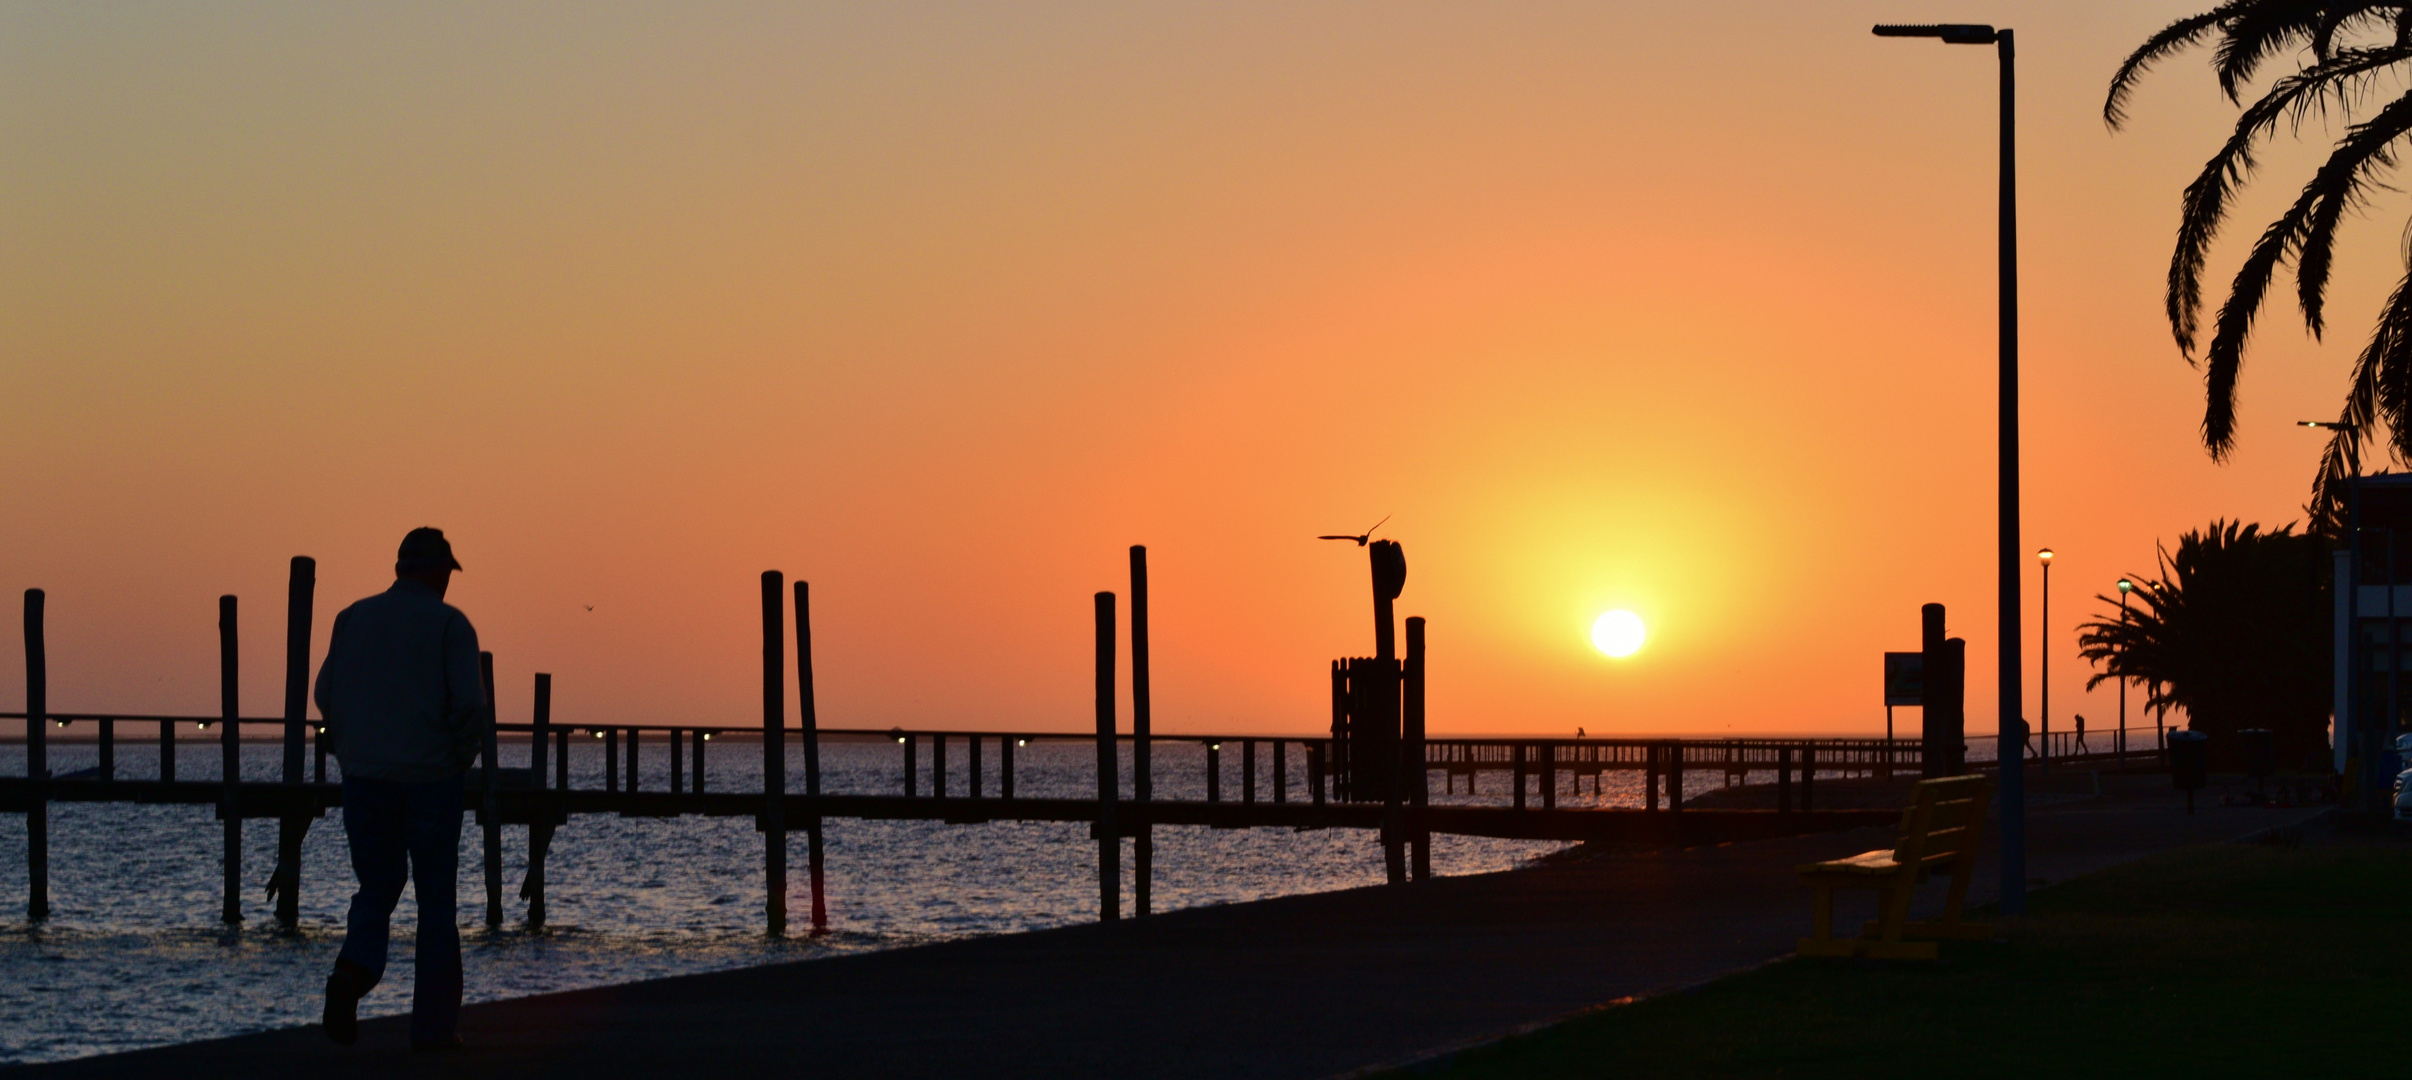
{"points": [[403, 701]]}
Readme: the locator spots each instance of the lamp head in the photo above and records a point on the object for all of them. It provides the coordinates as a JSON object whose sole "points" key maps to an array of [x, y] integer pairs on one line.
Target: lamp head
{"points": [[2045, 555], [1950, 33], [2126, 586]]}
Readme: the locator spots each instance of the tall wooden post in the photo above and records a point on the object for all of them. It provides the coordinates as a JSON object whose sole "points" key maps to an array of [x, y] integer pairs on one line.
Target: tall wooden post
{"points": [[809, 720], [774, 755], [1143, 781], [489, 801], [230, 761], [293, 825], [1936, 731], [1109, 839], [540, 831], [37, 761], [540, 740], [1411, 752], [299, 586]]}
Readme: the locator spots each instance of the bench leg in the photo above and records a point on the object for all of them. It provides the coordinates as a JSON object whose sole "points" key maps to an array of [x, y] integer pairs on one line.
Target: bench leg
{"points": [[1894, 919], [1822, 941], [1951, 926]]}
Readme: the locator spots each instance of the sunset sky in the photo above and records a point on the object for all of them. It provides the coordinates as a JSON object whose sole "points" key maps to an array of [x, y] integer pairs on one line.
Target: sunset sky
{"points": [[1681, 308]]}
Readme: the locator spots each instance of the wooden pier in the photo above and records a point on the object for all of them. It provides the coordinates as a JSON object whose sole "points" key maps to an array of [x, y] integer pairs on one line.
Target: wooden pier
{"points": [[1321, 781]]}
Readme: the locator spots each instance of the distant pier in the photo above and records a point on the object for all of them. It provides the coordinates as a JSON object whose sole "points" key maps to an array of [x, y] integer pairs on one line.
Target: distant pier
{"points": [[1339, 780]]}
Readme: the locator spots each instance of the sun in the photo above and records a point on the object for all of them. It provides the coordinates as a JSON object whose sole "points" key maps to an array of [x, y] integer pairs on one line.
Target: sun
{"points": [[1618, 633]]}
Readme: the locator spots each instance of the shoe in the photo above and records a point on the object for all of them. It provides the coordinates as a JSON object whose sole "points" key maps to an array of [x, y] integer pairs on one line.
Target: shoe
{"points": [[445, 1045], [344, 989]]}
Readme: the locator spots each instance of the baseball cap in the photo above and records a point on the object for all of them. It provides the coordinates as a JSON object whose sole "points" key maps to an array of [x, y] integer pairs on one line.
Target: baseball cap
{"points": [[423, 550]]}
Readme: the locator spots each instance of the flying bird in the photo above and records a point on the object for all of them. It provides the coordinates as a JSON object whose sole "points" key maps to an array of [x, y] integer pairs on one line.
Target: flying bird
{"points": [[590, 607], [1361, 538]]}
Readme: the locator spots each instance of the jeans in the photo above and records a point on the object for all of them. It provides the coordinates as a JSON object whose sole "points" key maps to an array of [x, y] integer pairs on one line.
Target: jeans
{"points": [[400, 830]]}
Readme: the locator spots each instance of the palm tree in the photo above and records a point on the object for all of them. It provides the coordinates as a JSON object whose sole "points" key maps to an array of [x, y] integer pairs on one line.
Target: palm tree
{"points": [[2235, 632], [2352, 54]]}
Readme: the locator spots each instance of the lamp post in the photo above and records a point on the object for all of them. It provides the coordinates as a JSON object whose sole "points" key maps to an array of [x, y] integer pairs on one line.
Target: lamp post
{"points": [[2011, 730], [2043, 663], [2125, 587]]}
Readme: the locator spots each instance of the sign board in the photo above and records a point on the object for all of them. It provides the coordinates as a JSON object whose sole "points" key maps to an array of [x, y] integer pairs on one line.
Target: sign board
{"points": [[1904, 678]]}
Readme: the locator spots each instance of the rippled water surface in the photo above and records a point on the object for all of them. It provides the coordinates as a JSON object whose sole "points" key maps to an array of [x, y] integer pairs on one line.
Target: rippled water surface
{"points": [[134, 955]]}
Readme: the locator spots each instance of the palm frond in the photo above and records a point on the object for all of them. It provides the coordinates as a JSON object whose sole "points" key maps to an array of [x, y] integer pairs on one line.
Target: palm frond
{"points": [[2383, 372], [2257, 32], [2204, 207], [2340, 178], [2172, 38]]}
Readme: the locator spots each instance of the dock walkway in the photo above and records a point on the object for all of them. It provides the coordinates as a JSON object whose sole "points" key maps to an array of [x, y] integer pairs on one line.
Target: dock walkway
{"points": [[1308, 986]]}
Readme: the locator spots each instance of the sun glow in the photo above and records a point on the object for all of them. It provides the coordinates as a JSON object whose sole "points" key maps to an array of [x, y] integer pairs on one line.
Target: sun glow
{"points": [[1618, 633]]}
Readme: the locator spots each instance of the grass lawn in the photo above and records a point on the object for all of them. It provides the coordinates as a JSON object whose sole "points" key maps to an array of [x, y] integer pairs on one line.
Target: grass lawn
{"points": [[2229, 960]]}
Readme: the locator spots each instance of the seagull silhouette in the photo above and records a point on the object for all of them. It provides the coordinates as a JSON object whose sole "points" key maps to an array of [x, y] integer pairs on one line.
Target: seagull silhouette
{"points": [[590, 607], [1360, 539]]}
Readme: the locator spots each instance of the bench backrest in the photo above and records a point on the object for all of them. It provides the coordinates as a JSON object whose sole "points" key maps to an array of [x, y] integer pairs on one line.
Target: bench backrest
{"points": [[1945, 821]]}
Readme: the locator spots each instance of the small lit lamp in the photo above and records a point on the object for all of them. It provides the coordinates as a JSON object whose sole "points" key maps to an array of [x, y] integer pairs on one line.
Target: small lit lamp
{"points": [[2125, 587], [2043, 659]]}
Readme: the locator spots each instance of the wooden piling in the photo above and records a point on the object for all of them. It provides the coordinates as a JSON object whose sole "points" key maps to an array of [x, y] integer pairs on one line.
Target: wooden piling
{"points": [[635, 736], [490, 749], [1316, 791], [1281, 770], [808, 719], [1549, 775], [1143, 780], [1674, 775], [938, 766], [291, 827], [611, 759], [1109, 838], [37, 760], [774, 754], [300, 583], [540, 740], [678, 761], [1784, 779], [1214, 772], [230, 761], [1519, 771], [540, 832], [1650, 765], [1247, 771]]}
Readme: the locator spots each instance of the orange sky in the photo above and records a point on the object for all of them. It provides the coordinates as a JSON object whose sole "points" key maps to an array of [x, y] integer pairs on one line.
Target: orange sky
{"points": [[1681, 308]]}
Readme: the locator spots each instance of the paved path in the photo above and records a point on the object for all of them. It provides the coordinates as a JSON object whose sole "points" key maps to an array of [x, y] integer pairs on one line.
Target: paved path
{"points": [[1303, 987]]}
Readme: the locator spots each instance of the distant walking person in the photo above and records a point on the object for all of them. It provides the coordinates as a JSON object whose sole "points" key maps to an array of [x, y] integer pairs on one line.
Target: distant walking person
{"points": [[403, 701]]}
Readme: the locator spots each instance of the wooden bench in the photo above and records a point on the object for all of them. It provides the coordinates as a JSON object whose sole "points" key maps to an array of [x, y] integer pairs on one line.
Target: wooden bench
{"points": [[1939, 832]]}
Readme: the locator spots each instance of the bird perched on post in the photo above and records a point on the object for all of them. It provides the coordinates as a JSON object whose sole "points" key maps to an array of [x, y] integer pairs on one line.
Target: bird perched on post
{"points": [[1362, 537]]}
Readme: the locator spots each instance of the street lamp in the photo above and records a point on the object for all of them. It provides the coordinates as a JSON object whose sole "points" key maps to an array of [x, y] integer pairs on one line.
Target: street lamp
{"points": [[2043, 662], [2353, 445], [2012, 729], [2125, 587]]}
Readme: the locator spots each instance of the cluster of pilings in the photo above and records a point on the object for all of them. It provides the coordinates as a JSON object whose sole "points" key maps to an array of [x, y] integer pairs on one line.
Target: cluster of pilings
{"points": [[1378, 786]]}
